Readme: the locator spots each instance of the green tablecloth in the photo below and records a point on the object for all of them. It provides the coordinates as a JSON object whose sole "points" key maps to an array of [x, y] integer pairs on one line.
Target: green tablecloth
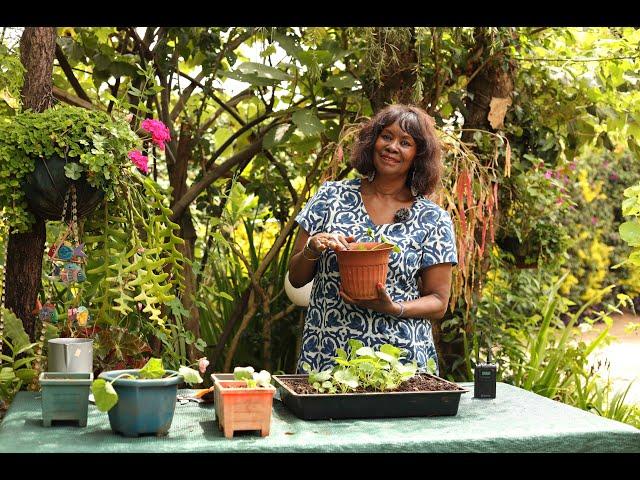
{"points": [[515, 421]]}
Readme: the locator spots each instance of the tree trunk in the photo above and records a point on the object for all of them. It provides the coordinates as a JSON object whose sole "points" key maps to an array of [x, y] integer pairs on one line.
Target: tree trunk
{"points": [[178, 181], [25, 250], [491, 81], [397, 74]]}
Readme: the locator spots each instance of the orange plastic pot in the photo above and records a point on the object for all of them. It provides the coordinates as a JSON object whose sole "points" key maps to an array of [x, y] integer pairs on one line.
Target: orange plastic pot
{"points": [[362, 266], [241, 408]]}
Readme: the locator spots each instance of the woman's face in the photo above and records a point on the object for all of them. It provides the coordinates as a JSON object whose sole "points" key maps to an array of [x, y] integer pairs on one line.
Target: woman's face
{"points": [[393, 151]]}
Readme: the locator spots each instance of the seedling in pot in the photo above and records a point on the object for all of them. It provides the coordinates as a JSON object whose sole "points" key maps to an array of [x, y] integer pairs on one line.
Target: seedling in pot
{"points": [[364, 367], [253, 378], [106, 396], [385, 242]]}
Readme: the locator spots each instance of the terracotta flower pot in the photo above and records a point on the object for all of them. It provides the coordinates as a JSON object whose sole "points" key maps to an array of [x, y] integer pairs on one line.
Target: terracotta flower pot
{"points": [[241, 408], [362, 266]]}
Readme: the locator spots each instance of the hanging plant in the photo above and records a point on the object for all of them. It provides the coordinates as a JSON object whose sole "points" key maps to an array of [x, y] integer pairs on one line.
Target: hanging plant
{"points": [[134, 269], [92, 145]]}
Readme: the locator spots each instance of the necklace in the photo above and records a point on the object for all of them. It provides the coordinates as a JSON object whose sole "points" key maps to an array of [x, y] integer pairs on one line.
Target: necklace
{"points": [[377, 192]]}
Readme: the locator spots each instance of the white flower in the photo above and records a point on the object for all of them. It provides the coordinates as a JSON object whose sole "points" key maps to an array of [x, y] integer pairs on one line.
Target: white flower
{"points": [[585, 327], [263, 379], [203, 363]]}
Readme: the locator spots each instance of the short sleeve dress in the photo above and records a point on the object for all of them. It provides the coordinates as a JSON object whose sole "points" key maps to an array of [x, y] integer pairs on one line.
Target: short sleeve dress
{"points": [[426, 238]]}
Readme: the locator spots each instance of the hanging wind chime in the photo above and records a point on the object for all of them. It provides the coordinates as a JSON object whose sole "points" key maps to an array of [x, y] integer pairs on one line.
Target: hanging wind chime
{"points": [[3, 270], [68, 260]]}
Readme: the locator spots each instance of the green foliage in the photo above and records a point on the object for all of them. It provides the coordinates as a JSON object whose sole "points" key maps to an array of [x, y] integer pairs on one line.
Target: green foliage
{"points": [[364, 367], [383, 240], [535, 201], [630, 230], [117, 347], [597, 250], [134, 269], [11, 79], [96, 144], [17, 368], [556, 363], [312, 82]]}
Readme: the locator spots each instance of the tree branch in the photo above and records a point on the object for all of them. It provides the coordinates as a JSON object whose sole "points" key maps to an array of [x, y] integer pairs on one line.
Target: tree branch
{"points": [[145, 53], [283, 174], [279, 241], [73, 100], [211, 175], [253, 306], [231, 103], [230, 45], [236, 135], [68, 71], [283, 313], [214, 97], [436, 75], [248, 296]]}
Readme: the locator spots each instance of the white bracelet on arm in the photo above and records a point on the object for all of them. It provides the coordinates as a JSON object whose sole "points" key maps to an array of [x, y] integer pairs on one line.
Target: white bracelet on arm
{"points": [[314, 255], [399, 315]]}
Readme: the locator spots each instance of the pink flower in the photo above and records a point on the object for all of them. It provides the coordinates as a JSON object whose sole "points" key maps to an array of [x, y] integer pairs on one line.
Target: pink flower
{"points": [[159, 131], [559, 201], [548, 174], [203, 363], [573, 165], [594, 220], [139, 160]]}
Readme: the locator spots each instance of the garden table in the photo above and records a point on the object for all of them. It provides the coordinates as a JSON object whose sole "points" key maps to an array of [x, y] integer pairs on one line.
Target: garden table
{"points": [[515, 421]]}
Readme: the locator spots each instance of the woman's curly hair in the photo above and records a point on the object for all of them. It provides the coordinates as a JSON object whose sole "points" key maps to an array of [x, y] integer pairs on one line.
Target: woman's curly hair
{"points": [[426, 170]]}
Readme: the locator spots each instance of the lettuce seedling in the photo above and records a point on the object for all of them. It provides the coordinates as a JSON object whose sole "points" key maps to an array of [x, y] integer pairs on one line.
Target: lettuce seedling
{"points": [[364, 367], [106, 396], [253, 378]]}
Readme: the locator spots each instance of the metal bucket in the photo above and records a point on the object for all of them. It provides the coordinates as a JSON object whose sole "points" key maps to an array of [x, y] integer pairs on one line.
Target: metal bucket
{"points": [[70, 355]]}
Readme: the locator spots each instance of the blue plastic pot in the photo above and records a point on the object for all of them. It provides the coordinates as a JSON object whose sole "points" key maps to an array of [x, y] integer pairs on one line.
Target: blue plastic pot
{"points": [[145, 406], [65, 396]]}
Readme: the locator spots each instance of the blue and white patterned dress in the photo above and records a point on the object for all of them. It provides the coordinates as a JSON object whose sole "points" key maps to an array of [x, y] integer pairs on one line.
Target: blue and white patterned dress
{"points": [[425, 239]]}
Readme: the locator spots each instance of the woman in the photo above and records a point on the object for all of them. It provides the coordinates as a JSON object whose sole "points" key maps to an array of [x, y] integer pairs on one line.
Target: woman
{"points": [[398, 153]]}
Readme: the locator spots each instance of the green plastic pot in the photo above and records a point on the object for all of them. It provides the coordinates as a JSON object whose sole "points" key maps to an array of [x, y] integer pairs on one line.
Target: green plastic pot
{"points": [[65, 396]]}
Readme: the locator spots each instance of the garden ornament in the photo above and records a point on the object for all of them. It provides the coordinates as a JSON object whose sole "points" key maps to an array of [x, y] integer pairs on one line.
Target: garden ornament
{"points": [[71, 254]]}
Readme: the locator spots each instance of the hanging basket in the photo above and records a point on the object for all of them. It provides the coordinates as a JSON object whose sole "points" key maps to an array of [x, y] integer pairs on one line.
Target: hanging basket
{"points": [[46, 187]]}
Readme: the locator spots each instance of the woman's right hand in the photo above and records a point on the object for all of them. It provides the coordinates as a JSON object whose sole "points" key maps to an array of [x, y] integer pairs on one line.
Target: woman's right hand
{"points": [[319, 242]]}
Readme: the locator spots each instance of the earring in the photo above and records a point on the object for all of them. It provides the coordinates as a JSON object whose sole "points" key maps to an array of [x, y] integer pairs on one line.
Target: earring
{"points": [[414, 190], [371, 176]]}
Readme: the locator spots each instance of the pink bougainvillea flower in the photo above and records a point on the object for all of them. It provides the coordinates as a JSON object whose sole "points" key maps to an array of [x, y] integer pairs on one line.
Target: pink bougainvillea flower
{"points": [[139, 160], [203, 363], [159, 131]]}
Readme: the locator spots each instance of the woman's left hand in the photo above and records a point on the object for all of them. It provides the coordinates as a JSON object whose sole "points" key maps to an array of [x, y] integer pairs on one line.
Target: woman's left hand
{"points": [[382, 304]]}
